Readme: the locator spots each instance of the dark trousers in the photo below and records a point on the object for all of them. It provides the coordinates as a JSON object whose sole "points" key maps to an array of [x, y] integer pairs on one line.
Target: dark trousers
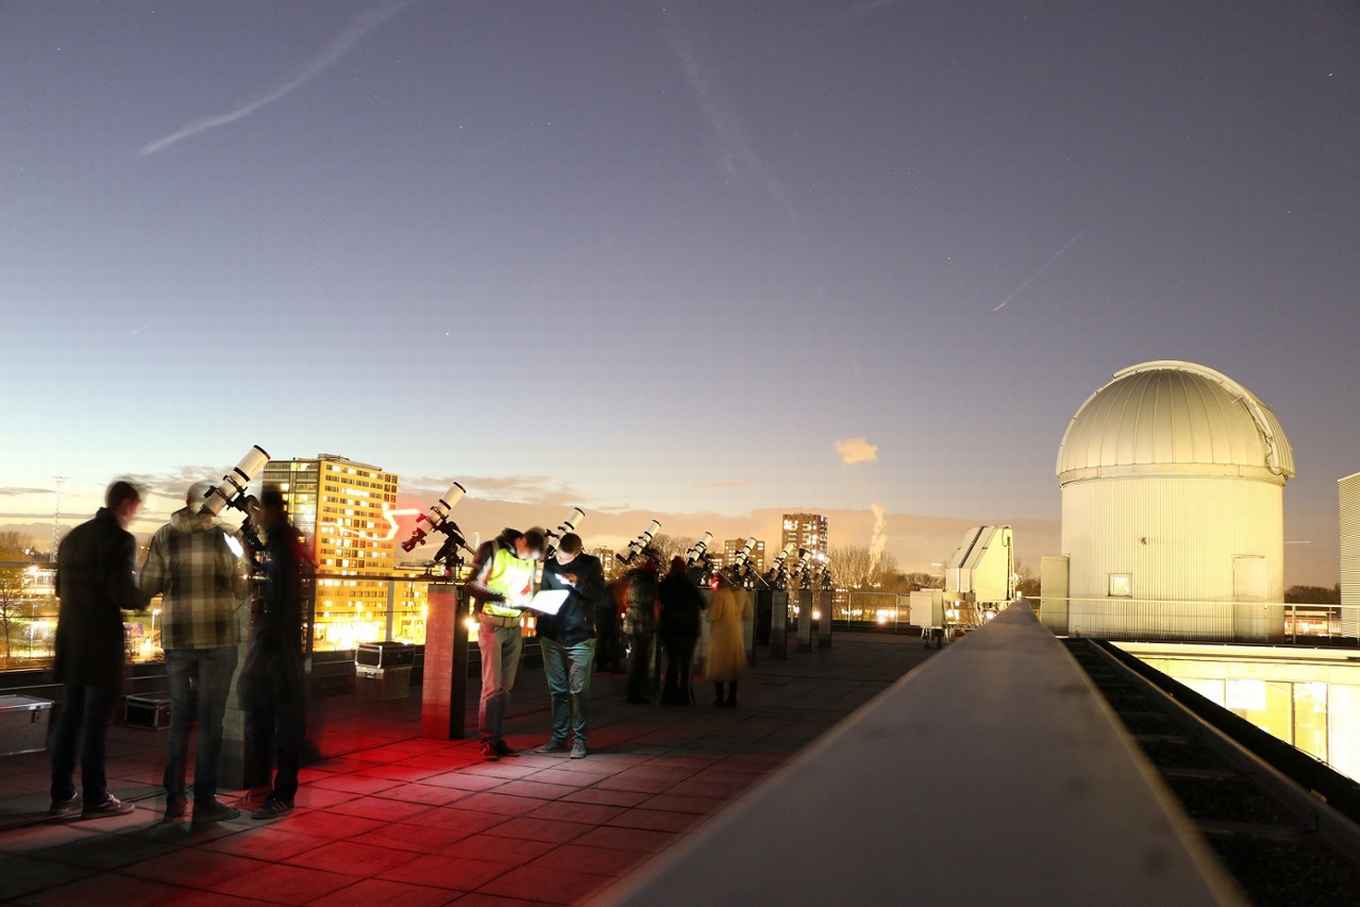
{"points": [[276, 718], [679, 658], [83, 727], [205, 673], [640, 685]]}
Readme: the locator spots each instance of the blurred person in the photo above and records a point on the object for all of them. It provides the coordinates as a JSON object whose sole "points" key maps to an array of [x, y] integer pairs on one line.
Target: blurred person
{"points": [[678, 629], [96, 581], [727, 612], [197, 566], [639, 591], [273, 679], [608, 645], [567, 641], [502, 582]]}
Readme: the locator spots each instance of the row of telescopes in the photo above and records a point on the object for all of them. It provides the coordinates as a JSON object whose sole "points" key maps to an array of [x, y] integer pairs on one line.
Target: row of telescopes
{"points": [[792, 568]]}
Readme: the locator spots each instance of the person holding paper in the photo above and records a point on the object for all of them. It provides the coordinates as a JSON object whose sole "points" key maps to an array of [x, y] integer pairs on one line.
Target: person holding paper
{"points": [[567, 641], [503, 583]]}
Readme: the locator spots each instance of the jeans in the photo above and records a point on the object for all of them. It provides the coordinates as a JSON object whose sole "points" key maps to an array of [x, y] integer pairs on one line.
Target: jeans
{"points": [[500, 648], [567, 669], [83, 725], [276, 717], [207, 674]]}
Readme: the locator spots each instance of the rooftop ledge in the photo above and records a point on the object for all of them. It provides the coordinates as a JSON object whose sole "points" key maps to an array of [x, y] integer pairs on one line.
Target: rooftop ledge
{"points": [[995, 772]]}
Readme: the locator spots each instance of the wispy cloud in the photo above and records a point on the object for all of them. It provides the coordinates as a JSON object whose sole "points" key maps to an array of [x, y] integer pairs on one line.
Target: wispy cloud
{"points": [[527, 489], [726, 483], [13, 491], [175, 482], [738, 153], [331, 54], [856, 450]]}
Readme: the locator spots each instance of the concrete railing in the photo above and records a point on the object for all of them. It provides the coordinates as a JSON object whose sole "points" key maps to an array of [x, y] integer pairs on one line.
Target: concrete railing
{"points": [[993, 773]]}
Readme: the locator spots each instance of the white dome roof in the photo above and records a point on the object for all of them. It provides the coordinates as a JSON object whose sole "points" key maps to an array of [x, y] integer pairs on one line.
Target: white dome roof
{"points": [[1178, 418]]}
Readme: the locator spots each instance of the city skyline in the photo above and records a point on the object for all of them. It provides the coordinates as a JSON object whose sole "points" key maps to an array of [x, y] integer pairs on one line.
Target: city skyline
{"points": [[819, 256]]}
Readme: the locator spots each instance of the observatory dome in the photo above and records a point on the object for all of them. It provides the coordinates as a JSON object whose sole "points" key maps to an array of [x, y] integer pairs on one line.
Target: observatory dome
{"points": [[1174, 418]]}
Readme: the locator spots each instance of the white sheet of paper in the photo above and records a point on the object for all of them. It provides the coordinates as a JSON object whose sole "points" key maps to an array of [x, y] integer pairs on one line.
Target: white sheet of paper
{"points": [[548, 601]]}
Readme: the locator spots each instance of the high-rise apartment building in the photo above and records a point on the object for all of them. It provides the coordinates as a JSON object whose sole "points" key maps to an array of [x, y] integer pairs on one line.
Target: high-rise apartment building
{"points": [[341, 508], [804, 530]]}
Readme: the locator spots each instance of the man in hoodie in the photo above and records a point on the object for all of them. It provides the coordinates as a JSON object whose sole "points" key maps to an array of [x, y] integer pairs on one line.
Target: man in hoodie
{"points": [[502, 582], [197, 566], [567, 641]]}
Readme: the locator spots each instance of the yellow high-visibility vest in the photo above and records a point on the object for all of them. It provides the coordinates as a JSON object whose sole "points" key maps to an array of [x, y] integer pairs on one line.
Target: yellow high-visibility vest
{"points": [[510, 576]]}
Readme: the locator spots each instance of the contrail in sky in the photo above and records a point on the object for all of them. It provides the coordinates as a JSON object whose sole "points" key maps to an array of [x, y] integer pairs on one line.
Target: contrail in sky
{"points": [[734, 144], [342, 44], [1040, 272]]}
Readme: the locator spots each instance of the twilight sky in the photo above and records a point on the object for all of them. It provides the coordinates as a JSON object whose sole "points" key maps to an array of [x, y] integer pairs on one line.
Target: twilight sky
{"points": [[664, 257]]}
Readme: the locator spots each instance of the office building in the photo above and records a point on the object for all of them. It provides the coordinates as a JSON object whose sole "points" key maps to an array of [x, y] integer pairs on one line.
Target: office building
{"points": [[341, 508]]}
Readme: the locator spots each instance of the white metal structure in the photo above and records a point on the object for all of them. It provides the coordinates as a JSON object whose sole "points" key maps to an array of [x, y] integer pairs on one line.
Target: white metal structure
{"points": [[1172, 479], [1349, 491], [982, 567]]}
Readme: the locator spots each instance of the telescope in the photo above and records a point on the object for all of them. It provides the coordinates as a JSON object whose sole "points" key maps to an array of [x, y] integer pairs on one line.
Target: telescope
{"points": [[639, 544], [570, 524], [697, 555], [436, 519], [231, 492], [778, 575], [741, 570]]}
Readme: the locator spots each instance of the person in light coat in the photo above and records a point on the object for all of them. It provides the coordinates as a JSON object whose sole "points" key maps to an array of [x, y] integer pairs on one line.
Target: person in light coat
{"points": [[727, 612]]}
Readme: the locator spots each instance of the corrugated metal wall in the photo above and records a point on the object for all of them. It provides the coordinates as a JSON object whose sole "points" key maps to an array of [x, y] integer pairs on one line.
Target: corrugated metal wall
{"points": [[1350, 554], [1177, 537]]}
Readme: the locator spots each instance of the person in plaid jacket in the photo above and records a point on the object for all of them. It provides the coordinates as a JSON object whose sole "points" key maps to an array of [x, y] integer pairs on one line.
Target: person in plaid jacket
{"points": [[196, 565]]}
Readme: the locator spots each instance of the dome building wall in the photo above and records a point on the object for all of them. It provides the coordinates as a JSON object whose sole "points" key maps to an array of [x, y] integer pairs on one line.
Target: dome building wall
{"points": [[1172, 481]]}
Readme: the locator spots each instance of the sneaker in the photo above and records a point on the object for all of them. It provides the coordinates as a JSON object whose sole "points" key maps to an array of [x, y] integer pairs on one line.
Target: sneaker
{"points": [[489, 751], [214, 811], [174, 809], [65, 809], [109, 806], [578, 749], [272, 808], [552, 748], [504, 749]]}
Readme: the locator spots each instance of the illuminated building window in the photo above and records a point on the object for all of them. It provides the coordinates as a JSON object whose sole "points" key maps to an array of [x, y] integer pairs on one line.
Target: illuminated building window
{"points": [[1121, 585]]}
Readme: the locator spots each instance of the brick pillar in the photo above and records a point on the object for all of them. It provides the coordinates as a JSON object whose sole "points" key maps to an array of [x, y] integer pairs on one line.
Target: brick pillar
{"points": [[779, 625], [443, 693], [804, 620]]}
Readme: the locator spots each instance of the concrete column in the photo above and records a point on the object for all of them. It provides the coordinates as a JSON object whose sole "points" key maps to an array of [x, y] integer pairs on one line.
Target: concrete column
{"points": [[444, 690], [804, 620], [238, 770], [779, 625], [748, 623], [825, 599]]}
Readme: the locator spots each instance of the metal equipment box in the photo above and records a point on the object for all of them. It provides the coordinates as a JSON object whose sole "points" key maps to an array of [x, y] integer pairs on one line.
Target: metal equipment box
{"points": [[150, 712], [387, 654], [23, 724], [382, 670]]}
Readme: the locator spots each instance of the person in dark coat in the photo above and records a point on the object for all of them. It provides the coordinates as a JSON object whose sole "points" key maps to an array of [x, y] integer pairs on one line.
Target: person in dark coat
{"points": [[273, 678], [567, 642], [639, 625], [678, 629], [96, 582]]}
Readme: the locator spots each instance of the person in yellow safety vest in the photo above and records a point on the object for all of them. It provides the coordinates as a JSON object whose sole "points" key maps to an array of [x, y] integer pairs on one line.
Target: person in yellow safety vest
{"points": [[502, 582]]}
